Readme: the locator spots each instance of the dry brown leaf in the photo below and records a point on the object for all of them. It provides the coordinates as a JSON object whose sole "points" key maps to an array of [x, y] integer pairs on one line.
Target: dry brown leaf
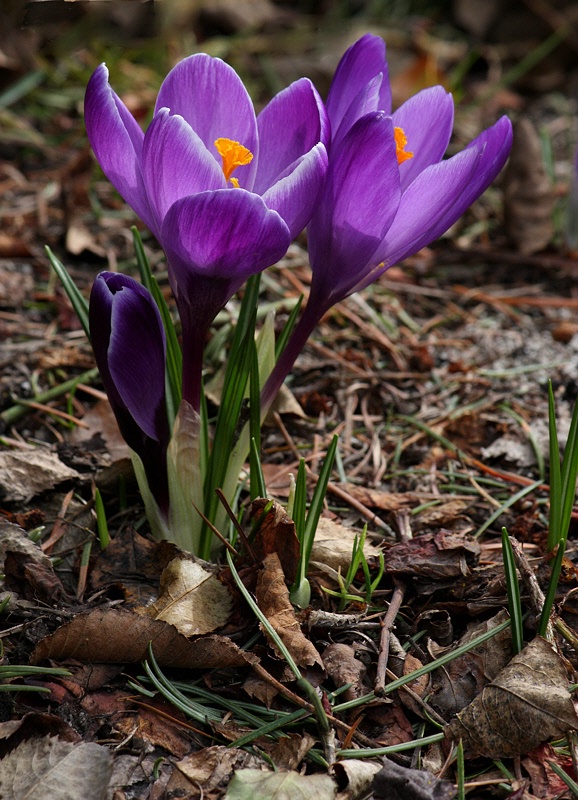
{"points": [[526, 704], [444, 515], [528, 194], [46, 767], [275, 534], [355, 775], [191, 598], [209, 769], [118, 636], [248, 784], [385, 501], [27, 473], [343, 667], [273, 600], [333, 545], [290, 751], [441, 556], [460, 681]]}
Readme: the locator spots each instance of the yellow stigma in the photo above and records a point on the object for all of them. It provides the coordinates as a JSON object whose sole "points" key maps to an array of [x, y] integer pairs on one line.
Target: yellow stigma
{"points": [[400, 145], [234, 155]]}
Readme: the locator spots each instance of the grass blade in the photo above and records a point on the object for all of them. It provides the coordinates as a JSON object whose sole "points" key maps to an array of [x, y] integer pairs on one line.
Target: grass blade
{"points": [[513, 588], [554, 527], [77, 299]]}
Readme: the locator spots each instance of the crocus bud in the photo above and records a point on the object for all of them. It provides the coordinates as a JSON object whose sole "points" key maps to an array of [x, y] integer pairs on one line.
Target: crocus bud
{"points": [[128, 340]]}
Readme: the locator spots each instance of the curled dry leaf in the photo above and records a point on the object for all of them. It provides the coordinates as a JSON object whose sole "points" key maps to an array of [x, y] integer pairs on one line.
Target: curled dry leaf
{"points": [[526, 704], [342, 667], [60, 770], [394, 782], [116, 636], [209, 769], [355, 775], [290, 751], [191, 598], [273, 600], [275, 534], [441, 556]]}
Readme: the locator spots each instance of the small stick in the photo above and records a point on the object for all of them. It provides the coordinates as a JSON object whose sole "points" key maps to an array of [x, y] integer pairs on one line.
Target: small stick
{"points": [[386, 627]]}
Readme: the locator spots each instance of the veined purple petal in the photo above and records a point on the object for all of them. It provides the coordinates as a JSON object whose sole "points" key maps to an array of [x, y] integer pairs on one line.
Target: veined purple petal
{"points": [[366, 101], [117, 141], [360, 64], [289, 127], [360, 201], [228, 235], [129, 344], [427, 119], [296, 195], [176, 163], [441, 194], [211, 97]]}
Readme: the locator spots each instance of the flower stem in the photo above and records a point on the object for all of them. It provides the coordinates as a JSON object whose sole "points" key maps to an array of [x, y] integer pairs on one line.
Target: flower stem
{"points": [[301, 333], [193, 349]]}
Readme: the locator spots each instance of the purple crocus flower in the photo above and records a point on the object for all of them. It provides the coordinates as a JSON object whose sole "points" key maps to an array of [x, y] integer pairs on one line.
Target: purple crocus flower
{"points": [[128, 340], [388, 192], [216, 228]]}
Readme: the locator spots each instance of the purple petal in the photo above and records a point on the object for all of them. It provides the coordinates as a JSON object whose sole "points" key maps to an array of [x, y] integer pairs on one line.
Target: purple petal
{"points": [[129, 344], [289, 127], [359, 65], [211, 97], [427, 120], [220, 237], [358, 205], [295, 196], [176, 163], [441, 194], [117, 142], [366, 101]]}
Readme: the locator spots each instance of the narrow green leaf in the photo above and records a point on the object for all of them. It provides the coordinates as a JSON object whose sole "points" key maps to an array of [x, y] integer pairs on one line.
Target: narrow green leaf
{"points": [[569, 472], [552, 586], [101, 523], [319, 497], [554, 527], [513, 589], [235, 382], [257, 482], [460, 771], [77, 299]]}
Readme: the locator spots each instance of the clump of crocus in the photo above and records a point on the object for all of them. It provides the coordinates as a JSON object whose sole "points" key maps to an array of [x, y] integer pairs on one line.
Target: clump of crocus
{"points": [[388, 191], [224, 191]]}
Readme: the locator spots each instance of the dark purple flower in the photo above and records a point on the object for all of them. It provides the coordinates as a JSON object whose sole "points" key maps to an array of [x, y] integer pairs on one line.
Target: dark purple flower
{"points": [[217, 228], [128, 340]]}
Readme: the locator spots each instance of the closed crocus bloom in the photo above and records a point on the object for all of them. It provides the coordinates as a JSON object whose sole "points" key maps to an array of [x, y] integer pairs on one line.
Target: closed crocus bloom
{"points": [[223, 190], [128, 340], [388, 191]]}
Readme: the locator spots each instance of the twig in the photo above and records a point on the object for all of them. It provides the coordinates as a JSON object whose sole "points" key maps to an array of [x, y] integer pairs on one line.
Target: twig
{"points": [[531, 584], [387, 625]]}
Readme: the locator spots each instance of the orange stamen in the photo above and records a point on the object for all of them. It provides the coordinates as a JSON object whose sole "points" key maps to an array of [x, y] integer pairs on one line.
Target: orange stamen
{"points": [[234, 155], [400, 145]]}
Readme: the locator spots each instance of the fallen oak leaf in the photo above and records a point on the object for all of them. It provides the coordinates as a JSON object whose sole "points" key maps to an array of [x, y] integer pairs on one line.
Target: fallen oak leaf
{"points": [[526, 704], [118, 636]]}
